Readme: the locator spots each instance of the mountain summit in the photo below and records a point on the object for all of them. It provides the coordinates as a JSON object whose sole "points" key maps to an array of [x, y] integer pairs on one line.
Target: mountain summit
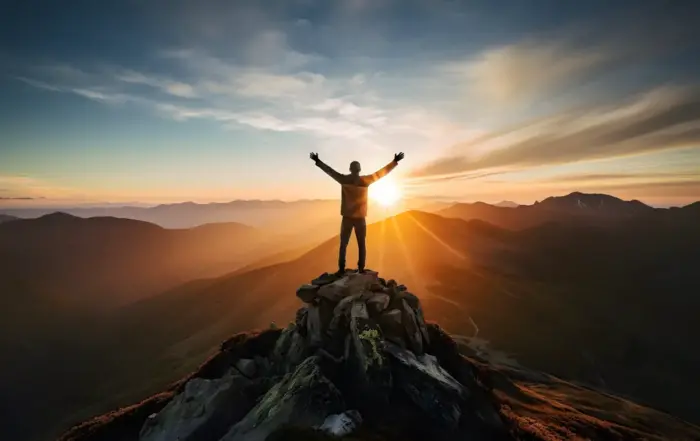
{"points": [[359, 362]]}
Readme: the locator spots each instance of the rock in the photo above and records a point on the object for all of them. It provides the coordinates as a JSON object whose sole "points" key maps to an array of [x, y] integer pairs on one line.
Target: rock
{"points": [[342, 424], [370, 272], [428, 385], [307, 293], [421, 326], [350, 284], [410, 324], [262, 365], [205, 409], [313, 326], [302, 398], [390, 322], [410, 298], [372, 367], [359, 310], [402, 288], [301, 320], [342, 311], [376, 287], [290, 350], [324, 279], [247, 367], [378, 303]]}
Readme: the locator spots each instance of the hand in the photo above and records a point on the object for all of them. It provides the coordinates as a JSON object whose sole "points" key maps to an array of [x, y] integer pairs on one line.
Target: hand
{"points": [[398, 157], [314, 156]]}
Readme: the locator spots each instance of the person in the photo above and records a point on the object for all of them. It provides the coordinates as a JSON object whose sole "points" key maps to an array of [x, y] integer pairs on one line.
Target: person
{"points": [[353, 205]]}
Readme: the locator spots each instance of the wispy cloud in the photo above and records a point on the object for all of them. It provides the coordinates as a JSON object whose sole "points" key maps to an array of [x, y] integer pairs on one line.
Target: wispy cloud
{"points": [[664, 118], [175, 88], [518, 72], [285, 97]]}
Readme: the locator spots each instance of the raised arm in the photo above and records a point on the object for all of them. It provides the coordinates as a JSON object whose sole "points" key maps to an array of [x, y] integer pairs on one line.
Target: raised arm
{"points": [[374, 177], [326, 168]]}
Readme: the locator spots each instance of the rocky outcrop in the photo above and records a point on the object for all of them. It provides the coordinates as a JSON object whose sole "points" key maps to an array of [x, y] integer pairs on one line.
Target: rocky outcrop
{"points": [[357, 356], [359, 362]]}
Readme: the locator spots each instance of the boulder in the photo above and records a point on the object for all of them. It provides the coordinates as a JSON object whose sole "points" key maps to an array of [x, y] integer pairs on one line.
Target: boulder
{"points": [[372, 367], [307, 293], [420, 319], [314, 333], [410, 298], [324, 279], [290, 350], [302, 398], [392, 328], [247, 367], [378, 303], [204, 410], [428, 385], [342, 424], [410, 324], [342, 311], [300, 320], [350, 284]]}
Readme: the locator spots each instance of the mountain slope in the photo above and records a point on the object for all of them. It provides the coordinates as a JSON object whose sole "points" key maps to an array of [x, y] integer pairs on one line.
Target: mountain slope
{"points": [[602, 304], [574, 300], [360, 352], [6, 218], [108, 261]]}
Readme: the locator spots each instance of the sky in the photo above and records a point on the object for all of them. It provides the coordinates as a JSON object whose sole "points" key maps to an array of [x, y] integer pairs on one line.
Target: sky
{"points": [[157, 101]]}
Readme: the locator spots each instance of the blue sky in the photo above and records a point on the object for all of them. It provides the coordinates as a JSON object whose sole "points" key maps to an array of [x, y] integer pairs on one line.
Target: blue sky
{"points": [[163, 101]]}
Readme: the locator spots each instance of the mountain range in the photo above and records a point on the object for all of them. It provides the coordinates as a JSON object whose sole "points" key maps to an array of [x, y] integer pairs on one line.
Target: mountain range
{"points": [[297, 215], [586, 287], [6, 217]]}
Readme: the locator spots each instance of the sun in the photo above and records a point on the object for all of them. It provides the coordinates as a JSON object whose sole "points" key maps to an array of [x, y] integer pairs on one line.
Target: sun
{"points": [[385, 192]]}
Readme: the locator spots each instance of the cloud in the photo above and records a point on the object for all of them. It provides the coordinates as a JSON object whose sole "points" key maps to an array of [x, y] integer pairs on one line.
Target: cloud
{"points": [[518, 72], [175, 88], [92, 94], [26, 188], [664, 118]]}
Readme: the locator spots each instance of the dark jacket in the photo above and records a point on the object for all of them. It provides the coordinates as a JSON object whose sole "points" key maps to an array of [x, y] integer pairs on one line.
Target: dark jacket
{"points": [[354, 188]]}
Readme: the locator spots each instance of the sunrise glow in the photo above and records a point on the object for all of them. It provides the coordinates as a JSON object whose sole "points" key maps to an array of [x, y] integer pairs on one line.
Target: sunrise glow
{"points": [[385, 192]]}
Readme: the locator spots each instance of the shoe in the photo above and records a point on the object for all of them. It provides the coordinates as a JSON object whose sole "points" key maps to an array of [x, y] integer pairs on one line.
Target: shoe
{"points": [[340, 273]]}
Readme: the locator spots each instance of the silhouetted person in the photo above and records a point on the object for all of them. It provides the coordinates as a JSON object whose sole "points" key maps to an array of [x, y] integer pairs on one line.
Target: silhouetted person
{"points": [[353, 205]]}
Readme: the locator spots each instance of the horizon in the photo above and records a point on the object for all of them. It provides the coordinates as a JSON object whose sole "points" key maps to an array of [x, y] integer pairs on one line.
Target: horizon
{"points": [[393, 209], [130, 103]]}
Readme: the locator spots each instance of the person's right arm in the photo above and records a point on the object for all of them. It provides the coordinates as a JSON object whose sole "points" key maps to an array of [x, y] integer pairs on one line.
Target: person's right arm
{"points": [[326, 168]]}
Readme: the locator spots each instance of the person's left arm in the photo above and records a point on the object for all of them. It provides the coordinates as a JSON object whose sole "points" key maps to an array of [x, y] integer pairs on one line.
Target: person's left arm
{"points": [[374, 177]]}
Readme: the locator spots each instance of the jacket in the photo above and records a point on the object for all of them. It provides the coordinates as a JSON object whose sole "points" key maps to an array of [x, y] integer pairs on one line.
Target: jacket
{"points": [[353, 200]]}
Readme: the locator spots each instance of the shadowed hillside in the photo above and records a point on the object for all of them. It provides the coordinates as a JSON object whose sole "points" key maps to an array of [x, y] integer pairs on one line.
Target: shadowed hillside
{"points": [[576, 301], [596, 303], [108, 261], [6, 218], [360, 362]]}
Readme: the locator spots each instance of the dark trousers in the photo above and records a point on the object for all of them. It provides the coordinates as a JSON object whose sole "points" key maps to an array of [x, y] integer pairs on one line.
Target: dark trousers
{"points": [[346, 227]]}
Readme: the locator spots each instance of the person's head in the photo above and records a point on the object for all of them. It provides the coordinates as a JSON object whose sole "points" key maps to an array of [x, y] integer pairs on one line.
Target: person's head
{"points": [[355, 167]]}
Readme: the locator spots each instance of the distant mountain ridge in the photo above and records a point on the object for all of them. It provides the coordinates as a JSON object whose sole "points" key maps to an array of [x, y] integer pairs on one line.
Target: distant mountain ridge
{"points": [[574, 207], [298, 215], [127, 258], [6, 218]]}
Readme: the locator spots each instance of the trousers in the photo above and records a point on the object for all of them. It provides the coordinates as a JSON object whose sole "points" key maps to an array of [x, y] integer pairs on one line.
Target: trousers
{"points": [[360, 226]]}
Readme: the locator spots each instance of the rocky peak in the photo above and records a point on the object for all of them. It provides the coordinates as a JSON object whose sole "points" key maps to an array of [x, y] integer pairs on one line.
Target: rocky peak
{"points": [[357, 356]]}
